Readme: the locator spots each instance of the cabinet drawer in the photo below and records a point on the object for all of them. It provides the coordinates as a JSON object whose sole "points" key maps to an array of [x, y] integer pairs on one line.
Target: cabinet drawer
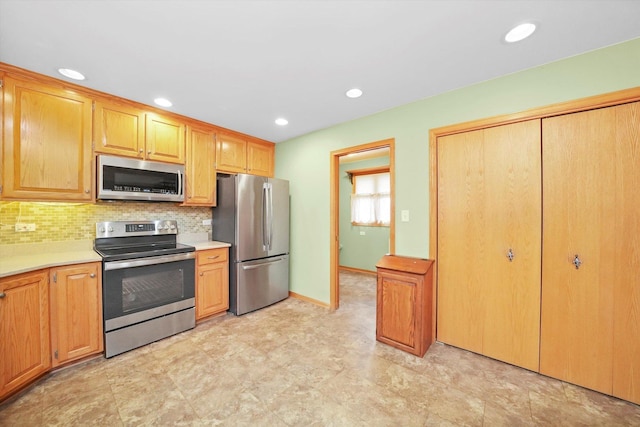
{"points": [[211, 256]]}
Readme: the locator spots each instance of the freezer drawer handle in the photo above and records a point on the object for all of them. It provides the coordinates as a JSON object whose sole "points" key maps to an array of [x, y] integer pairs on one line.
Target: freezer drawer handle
{"points": [[251, 267]]}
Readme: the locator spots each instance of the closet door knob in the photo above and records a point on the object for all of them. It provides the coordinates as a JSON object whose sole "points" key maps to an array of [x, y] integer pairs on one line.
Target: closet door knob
{"points": [[510, 255], [576, 261]]}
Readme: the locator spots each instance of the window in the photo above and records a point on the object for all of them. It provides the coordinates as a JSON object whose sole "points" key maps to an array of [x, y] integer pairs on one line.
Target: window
{"points": [[371, 197]]}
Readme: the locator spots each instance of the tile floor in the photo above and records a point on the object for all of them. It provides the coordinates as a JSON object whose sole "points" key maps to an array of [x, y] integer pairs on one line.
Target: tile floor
{"points": [[296, 364]]}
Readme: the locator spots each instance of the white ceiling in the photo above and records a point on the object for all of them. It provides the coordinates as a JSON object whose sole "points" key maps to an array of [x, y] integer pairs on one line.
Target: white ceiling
{"points": [[241, 64]]}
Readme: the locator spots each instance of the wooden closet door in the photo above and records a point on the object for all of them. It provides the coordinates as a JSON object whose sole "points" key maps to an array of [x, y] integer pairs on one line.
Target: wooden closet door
{"points": [[626, 259], [513, 211], [489, 203], [461, 242], [579, 219]]}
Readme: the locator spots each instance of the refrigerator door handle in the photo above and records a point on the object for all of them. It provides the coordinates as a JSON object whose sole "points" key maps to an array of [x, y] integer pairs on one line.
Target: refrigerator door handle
{"points": [[251, 267], [270, 215], [265, 217]]}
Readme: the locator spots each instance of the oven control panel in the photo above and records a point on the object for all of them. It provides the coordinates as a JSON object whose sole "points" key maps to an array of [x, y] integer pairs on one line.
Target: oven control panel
{"points": [[135, 228]]}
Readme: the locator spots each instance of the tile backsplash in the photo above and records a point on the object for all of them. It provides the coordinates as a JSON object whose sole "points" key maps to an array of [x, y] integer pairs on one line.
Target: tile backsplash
{"points": [[76, 221]]}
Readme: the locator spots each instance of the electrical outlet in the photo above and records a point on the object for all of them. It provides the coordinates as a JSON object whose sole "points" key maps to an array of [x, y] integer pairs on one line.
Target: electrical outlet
{"points": [[362, 233], [22, 227], [404, 215], [206, 222]]}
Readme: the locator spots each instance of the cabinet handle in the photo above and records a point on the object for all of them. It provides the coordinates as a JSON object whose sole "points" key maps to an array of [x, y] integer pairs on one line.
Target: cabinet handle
{"points": [[576, 261], [213, 257], [510, 255], [149, 152], [87, 191], [140, 150], [201, 274], [92, 275], [2, 295]]}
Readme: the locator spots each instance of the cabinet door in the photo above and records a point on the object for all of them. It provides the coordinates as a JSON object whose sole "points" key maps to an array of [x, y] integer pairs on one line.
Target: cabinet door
{"points": [[76, 312], [231, 154], [200, 168], [489, 198], [47, 143], [212, 282], [589, 329], [397, 321], [118, 130], [260, 158], [164, 139], [24, 329]]}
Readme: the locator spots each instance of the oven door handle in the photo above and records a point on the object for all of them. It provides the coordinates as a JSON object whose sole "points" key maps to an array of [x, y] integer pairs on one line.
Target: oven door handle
{"points": [[141, 262]]}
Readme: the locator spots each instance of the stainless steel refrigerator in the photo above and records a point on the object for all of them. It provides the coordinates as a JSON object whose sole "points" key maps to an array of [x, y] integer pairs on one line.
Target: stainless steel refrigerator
{"points": [[252, 213]]}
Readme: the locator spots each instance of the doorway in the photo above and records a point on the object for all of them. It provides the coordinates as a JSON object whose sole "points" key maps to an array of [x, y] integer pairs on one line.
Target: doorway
{"points": [[334, 245]]}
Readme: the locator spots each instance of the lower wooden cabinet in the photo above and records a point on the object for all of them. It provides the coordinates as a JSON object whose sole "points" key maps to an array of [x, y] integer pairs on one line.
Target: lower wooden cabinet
{"points": [[404, 303], [24, 329], [76, 312], [212, 282], [48, 317]]}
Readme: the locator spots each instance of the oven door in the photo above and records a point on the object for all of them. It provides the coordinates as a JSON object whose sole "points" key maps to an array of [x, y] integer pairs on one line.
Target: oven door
{"points": [[139, 289]]}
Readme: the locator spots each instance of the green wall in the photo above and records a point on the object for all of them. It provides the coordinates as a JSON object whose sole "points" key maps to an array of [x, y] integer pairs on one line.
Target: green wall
{"points": [[305, 160], [359, 251]]}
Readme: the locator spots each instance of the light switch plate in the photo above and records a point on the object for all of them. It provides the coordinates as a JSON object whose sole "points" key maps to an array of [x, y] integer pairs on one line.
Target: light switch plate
{"points": [[404, 215]]}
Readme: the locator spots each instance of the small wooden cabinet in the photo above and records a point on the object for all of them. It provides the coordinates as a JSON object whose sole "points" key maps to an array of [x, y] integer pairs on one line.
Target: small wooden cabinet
{"points": [[24, 329], [404, 303], [46, 148], [212, 282], [231, 154], [235, 154], [122, 130], [76, 312], [200, 167], [118, 130], [164, 139], [260, 158]]}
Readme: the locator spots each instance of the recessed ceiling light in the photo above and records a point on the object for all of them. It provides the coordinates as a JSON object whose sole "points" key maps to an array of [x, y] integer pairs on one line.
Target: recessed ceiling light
{"points": [[282, 122], [163, 102], [520, 32], [354, 93], [72, 74]]}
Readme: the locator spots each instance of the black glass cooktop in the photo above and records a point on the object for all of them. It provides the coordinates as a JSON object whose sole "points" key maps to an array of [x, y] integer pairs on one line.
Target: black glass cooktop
{"points": [[115, 249]]}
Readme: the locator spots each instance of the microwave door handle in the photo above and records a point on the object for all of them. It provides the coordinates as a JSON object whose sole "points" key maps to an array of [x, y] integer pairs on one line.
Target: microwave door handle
{"points": [[180, 187]]}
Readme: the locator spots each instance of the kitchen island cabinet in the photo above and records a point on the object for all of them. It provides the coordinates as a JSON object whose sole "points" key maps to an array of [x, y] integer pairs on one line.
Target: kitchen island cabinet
{"points": [[76, 312], [46, 148], [24, 329], [212, 282]]}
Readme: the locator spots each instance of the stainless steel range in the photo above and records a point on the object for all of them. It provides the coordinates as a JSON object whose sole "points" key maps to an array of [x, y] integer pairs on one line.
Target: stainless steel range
{"points": [[148, 282]]}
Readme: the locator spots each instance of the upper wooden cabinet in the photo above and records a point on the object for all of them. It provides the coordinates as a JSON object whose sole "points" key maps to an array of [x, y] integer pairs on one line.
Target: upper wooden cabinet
{"points": [[242, 155], [47, 143], [24, 329], [200, 167], [127, 131], [118, 130], [164, 139], [260, 158], [231, 154]]}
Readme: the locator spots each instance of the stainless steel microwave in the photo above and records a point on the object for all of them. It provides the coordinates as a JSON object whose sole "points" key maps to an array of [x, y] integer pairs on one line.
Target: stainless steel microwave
{"points": [[121, 178]]}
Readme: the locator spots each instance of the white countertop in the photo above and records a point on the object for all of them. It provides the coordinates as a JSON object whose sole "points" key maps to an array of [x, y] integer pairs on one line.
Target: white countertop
{"points": [[25, 257]]}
